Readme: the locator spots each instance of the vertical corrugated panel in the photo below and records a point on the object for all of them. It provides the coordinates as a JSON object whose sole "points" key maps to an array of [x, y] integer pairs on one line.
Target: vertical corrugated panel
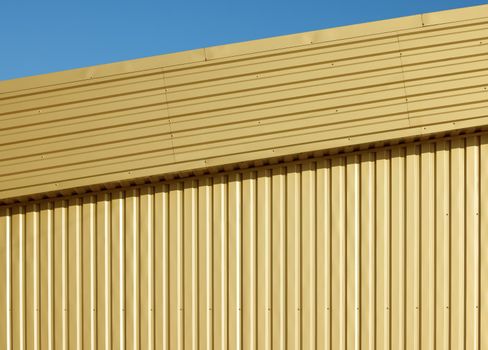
{"points": [[278, 257], [5, 278], [368, 238], [412, 245], [338, 254], [293, 215], [458, 241], [381, 249], [398, 236], [323, 254], [104, 275], [249, 328], [32, 326], [442, 244], [483, 241]]}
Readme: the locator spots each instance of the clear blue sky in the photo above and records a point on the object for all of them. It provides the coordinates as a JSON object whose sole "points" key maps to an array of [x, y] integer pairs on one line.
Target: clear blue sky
{"points": [[45, 36]]}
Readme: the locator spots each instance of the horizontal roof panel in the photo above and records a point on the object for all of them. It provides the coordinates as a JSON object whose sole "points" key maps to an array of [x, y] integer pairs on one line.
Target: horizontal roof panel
{"points": [[207, 108]]}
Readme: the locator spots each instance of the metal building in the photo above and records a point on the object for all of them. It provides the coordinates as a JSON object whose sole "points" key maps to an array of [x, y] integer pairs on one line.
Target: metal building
{"points": [[324, 190]]}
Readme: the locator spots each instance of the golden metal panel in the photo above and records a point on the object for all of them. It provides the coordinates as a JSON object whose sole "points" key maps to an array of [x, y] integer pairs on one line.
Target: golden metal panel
{"points": [[398, 248], [483, 240], [458, 243], [293, 256], [373, 249], [442, 264], [368, 238], [190, 111]]}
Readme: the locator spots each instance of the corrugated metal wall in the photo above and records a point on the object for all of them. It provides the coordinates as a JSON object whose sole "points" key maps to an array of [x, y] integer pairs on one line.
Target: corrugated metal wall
{"points": [[382, 249], [302, 93]]}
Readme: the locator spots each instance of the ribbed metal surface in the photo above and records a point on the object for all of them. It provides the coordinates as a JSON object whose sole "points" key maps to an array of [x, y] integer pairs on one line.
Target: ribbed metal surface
{"points": [[382, 249], [302, 93]]}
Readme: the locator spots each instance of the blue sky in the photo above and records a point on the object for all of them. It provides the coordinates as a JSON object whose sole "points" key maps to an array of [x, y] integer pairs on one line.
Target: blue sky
{"points": [[45, 36]]}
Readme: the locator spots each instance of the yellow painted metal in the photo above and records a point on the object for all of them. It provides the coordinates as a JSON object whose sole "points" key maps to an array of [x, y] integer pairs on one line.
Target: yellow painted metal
{"points": [[373, 249], [333, 88], [378, 249]]}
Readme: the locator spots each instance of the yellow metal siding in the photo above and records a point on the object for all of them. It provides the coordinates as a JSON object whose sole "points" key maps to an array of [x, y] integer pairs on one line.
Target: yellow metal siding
{"points": [[339, 87], [380, 249]]}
